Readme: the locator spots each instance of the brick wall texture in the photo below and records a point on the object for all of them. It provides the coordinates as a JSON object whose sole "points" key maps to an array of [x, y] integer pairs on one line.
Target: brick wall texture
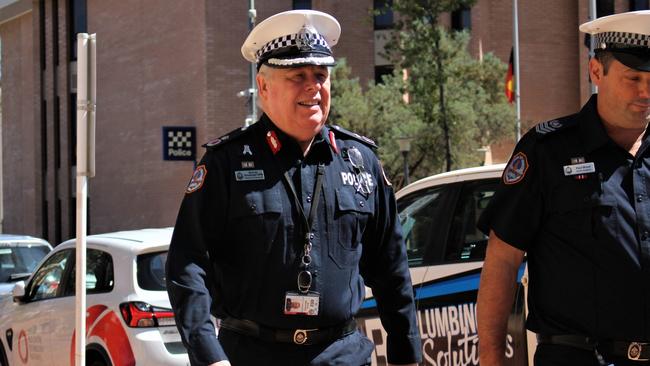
{"points": [[178, 63]]}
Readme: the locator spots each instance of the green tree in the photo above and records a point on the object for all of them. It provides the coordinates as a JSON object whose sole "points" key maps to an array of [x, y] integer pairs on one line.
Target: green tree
{"points": [[458, 98], [378, 112]]}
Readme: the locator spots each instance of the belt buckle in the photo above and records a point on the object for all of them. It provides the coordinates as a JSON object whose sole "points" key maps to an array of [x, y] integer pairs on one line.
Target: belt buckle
{"points": [[634, 351], [300, 335]]}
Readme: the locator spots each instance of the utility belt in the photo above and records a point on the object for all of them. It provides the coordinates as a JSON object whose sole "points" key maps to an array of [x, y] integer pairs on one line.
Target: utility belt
{"points": [[303, 337], [635, 351]]}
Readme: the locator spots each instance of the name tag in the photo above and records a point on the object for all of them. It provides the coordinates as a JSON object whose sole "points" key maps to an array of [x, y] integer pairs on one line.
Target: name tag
{"points": [[576, 169], [245, 175], [301, 304]]}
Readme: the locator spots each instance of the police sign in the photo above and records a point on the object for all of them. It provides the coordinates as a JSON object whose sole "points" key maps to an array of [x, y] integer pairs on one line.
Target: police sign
{"points": [[179, 143]]}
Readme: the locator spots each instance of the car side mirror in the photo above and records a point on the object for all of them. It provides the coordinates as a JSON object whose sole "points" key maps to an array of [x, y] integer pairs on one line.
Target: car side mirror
{"points": [[18, 291]]}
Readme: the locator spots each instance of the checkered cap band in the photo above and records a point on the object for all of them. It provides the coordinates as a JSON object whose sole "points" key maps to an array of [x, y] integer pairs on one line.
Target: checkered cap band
{"points": [[630, 39], [290, 41]]}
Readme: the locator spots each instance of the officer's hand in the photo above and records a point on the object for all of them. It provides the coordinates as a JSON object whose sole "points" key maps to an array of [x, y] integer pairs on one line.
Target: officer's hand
{"points": [[221, 363]]}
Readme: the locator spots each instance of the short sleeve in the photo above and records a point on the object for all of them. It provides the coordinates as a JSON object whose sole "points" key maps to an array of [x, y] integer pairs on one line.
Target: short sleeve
{"points": [[515, 211]]}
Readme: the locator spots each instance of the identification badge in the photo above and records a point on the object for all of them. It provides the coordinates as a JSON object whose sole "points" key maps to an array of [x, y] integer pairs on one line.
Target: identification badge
{"points": [[245, 175], [577, 169], [296, 303]]}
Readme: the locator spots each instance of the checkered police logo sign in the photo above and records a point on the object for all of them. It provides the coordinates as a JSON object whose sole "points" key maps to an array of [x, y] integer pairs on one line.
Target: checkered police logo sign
{"points": [[179, 143]]}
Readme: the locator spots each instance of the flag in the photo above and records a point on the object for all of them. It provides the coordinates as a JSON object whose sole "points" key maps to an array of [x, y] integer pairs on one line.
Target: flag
{"points": [[510, 83]]}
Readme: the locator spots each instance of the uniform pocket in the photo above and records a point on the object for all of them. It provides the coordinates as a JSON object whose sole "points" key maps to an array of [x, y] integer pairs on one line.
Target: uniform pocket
{"points": [[255, 220], [351, 216]]}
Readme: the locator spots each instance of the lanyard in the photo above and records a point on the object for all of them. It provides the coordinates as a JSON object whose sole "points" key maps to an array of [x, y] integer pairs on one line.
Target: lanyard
{"points": [[304, 277]]}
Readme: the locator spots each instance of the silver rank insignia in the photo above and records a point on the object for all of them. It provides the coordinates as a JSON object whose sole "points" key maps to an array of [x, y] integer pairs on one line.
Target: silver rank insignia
{"points": [[356, 159], [247, 150]]}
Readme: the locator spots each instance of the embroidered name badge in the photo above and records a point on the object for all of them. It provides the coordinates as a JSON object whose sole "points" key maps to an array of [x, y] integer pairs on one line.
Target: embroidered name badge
{"points": [[516, 169], [246, 175], [577, 169], [197, 179]]}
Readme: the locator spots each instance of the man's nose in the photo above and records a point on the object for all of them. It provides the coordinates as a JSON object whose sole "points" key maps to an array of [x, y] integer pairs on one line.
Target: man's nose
{"points": [[312, 83]]}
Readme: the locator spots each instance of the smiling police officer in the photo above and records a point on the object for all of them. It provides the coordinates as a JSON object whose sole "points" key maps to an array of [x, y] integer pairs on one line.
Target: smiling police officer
{"points": [[575, 197], [284, 222]]}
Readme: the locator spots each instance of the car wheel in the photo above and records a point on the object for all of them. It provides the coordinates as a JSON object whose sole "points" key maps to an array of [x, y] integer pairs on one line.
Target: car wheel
{"points": [[96, 356]]}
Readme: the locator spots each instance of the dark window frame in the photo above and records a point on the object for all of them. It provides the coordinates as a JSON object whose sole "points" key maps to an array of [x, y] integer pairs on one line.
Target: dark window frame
{"points": [[383, 14]]}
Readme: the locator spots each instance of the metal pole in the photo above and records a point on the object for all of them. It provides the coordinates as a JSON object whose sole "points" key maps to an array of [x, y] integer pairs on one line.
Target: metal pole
{"points": [[252, 91], [593, 14], [86, 96], [406, 168], [515, 37]]}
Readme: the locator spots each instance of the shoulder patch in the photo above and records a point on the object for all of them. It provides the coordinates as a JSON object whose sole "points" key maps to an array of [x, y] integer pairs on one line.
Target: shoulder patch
{"points": [[549, 127], [516, 169], [232, 135], [200, 173], [363, 139]]}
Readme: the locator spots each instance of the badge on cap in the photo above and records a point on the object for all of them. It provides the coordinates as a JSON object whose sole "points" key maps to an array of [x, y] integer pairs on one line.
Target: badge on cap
{"points": [[197, 179], [516, 169]]}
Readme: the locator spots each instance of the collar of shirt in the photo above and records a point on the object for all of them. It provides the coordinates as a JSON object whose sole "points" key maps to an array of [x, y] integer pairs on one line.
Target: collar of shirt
{"points": [[591, 126], [289, 146], [592, 129]]}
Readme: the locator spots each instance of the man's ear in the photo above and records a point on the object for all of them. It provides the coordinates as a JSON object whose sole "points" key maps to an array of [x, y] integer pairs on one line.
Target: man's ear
{"points": [[596, 71], [262, 86]]}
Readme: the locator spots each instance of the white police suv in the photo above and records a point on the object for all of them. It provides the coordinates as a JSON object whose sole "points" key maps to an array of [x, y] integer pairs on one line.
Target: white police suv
{"points": [[129, 318], [446, 251]]}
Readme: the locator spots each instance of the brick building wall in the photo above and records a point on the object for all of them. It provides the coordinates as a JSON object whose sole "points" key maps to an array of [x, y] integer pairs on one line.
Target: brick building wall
{"points": [[179, 64]]}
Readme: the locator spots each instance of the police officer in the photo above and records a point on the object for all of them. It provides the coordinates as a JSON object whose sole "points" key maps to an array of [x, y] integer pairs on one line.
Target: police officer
{"points": [[284, 222], [575, 196]]}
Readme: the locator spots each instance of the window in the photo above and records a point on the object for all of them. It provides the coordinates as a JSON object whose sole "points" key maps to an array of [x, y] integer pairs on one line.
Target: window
{"points": [[461, 19], [604, 8], [151, 271], [380, 71], [465, 240], [19, 261], [99, 274], [49, 278], [639, 5], [79, 24], [383, 18], [420, 215], [302, 4]]}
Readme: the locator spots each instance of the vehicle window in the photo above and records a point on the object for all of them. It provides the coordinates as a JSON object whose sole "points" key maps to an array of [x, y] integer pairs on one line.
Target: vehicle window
{"points": [[99, 273], [420, 214], [465, 240], [16, 260], [151, 271], [46, 282]]}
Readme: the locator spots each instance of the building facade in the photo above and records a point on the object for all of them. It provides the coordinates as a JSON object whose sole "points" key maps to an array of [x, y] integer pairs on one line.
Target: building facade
{"points": [[176, 65]]}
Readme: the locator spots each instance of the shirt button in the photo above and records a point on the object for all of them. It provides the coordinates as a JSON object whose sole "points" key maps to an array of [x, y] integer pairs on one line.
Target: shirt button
{"points": [[309, 198], [639, 198], [253, 207], [361, 203], [311, 236]]}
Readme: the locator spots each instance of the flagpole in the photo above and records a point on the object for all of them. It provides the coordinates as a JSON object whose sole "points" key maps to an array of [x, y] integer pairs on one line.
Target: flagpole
{"points": [[515, 38], [592, 15]]}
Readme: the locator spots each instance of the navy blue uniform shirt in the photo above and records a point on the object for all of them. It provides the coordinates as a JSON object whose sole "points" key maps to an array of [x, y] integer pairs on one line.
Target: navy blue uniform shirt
{"points": [[587, 236], [238, 240]]}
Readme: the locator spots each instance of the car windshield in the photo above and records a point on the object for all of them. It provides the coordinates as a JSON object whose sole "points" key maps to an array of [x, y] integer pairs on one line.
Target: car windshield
{"points": [[16, 260], [151, 271]]}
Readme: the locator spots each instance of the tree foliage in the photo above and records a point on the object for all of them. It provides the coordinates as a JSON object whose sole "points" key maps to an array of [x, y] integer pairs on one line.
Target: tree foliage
{"points": [[456, 104]]}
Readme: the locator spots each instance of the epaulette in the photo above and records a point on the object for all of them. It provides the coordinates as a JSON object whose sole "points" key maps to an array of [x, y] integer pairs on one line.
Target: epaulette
{"points": [[551, 127], [356, 136], [230, 136]]}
